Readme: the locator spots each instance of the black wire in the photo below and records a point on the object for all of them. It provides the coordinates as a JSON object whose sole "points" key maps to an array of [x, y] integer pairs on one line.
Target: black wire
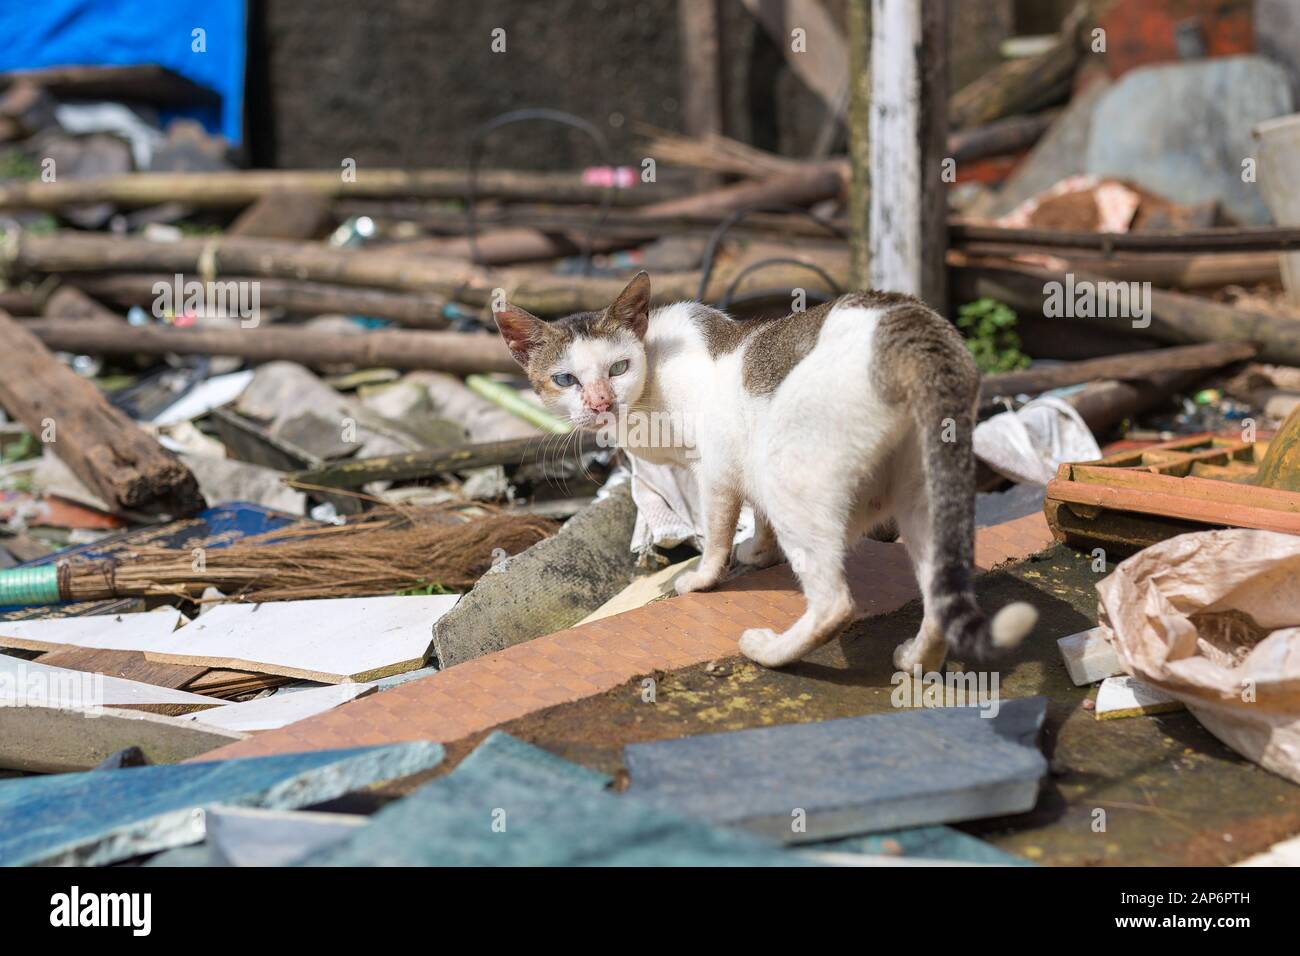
{"points": [[779, 260], [518, 116], [711, 250]]}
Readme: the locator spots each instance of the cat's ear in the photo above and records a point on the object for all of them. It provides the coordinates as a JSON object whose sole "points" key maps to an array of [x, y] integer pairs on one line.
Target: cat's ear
{"points": [[522, 331], [632, 307]]}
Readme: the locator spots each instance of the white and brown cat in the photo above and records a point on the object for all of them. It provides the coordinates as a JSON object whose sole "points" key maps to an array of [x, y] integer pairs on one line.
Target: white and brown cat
{"points": [[829, 422]]}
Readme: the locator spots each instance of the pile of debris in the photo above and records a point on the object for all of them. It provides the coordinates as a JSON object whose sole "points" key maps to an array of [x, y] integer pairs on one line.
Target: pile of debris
{"points": [[271, 486]]}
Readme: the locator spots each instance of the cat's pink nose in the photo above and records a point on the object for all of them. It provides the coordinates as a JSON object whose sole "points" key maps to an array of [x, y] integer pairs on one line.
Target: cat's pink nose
{"points": [[598, 397]]}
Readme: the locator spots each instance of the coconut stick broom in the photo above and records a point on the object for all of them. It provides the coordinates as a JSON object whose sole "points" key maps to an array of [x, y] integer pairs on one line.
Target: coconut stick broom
{"points": [[383, 552]]}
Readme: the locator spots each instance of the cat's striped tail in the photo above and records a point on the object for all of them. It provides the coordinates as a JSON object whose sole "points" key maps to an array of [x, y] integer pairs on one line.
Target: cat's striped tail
{"points": [[921, 360]]}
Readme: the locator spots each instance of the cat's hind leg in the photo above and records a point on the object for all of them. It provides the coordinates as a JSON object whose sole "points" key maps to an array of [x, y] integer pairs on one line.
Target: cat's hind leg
{"points": [[927, 650], [812, 534]]}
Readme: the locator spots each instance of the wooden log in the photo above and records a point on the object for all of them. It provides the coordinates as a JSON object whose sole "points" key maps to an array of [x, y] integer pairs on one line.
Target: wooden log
{"points": [[69, 302], [421, 310], [453, 352], [1167, 270], [1023, 85], [436, 461], [113, 457], [284, 214], [235, 189], [1187, 241], [802, 187], [1009, 135], [1174, 317], [1136, 366], [541, 293]]}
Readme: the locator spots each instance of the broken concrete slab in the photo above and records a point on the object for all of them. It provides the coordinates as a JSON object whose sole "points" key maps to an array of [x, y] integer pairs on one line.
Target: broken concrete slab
{"points": [[1184, 130], [807, 782], [39, 739], [1126, 696], [1089, 657], [511, 804], [247, 836], [551, 586], [95, 818]]}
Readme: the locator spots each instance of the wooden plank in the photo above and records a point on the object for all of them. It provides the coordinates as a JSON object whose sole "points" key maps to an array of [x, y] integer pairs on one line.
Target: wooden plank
{"points": [[35, 683], [129, 665], [1215, 513]]}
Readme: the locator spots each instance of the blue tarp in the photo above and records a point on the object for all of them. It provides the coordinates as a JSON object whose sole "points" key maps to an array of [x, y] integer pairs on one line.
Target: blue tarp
{"points": [[135, 32]]}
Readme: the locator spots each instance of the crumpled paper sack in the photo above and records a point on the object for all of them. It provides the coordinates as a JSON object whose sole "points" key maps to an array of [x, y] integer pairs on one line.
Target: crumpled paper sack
{"points": [[1213, 618]]}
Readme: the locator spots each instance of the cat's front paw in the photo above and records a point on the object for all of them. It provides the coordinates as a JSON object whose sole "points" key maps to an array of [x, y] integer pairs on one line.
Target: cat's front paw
{"points": [[694, 581], [762, 646]]}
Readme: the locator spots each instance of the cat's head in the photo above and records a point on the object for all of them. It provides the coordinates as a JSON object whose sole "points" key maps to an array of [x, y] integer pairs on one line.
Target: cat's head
{"points": [[588, 366]]}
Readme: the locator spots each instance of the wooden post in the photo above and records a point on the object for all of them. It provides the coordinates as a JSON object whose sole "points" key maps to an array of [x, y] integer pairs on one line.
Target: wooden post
{"points": [[908, 133], [699, 25], [859, 123]]}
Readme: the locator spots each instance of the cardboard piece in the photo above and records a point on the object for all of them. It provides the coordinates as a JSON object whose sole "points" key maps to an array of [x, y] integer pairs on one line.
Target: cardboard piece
{"points": [[96, 818], [807, 782]]}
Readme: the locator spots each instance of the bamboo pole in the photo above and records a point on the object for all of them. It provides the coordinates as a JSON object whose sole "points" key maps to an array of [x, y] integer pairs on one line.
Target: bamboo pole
{"points": [[540, 293], [422, 310], [218, 190], [458, 353], [1134, 366]]}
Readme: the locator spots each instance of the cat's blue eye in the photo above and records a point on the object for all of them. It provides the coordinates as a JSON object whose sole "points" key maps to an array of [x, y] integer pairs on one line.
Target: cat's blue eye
{"points": [[564, 379], [619, 367]]}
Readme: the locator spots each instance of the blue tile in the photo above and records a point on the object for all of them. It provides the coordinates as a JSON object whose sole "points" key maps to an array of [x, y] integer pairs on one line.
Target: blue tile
{"points": [[858, 775], [101, 817], [511, 804]]}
